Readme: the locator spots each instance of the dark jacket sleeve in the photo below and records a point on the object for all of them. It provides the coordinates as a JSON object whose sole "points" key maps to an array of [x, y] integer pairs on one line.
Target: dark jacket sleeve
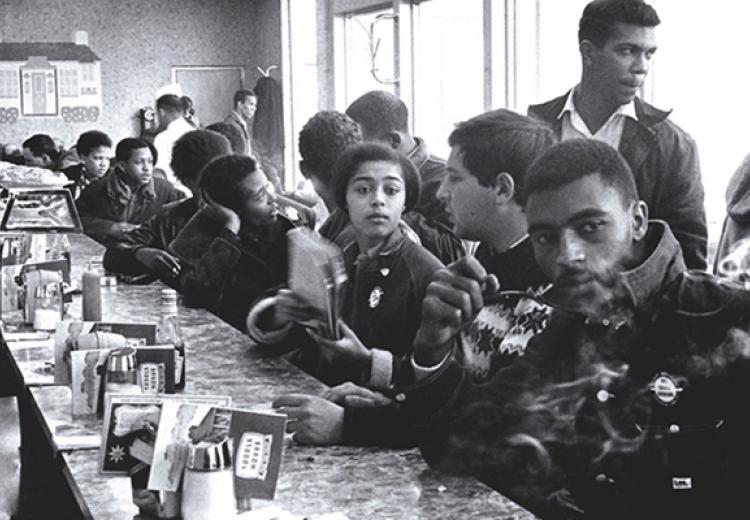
{"points": [[682, 197], [437, 238], [204, 280], [384, 426], [90, 207], [120, 256], [469, 429]]}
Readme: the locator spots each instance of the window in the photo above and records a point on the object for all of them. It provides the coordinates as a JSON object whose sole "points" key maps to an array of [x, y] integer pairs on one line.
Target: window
{"points": [[448, 68], [8, 84], [365, 58], [69, 83], [87, 72]]}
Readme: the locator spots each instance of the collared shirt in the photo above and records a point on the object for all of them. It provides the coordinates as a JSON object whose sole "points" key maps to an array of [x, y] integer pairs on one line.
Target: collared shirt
{"points": [[573, 126], [164, 142]]}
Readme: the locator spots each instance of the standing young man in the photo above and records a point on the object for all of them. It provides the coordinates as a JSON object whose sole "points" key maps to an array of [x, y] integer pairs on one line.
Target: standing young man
{"points": [[617, 42], [243, 109], [171, 111]]}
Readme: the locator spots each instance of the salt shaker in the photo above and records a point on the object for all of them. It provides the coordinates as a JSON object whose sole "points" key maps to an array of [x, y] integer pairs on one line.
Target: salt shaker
{"points": [[122, 372], [208, 485]]}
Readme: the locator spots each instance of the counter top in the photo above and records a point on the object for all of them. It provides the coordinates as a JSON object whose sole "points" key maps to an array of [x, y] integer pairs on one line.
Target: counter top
{"points": [[363, 483]]}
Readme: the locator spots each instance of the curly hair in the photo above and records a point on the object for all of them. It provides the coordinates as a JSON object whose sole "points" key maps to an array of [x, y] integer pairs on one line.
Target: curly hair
{"points": [[354, 156], [323, 139]]}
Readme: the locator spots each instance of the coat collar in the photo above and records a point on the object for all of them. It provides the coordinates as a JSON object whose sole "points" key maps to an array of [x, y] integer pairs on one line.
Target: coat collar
{"points": [[118, 189], [663, 264]]}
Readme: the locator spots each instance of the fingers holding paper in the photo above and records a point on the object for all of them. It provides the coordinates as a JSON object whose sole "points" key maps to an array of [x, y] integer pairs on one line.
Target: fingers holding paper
{"points": [[348, 346]]}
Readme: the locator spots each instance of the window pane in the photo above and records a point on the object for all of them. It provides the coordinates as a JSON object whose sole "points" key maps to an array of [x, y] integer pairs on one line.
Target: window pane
{"points": [[449, 68], [367, 61]]}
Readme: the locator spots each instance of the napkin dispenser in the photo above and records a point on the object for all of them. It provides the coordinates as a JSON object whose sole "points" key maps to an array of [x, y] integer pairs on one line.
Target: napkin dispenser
{"points": [[42, 290]]}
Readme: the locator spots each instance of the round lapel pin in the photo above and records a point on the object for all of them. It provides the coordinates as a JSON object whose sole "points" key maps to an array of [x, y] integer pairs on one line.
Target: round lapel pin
{"points": [[375, 296]]}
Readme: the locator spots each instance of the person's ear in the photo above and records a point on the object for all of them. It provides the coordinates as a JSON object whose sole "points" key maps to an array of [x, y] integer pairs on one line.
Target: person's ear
{"points": [[393, 139], [505, 188], [588, 50], [639, 214]]}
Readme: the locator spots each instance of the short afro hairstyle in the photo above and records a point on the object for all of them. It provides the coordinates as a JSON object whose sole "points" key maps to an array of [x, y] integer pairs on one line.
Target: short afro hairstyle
{"points": [[126, 146], [223, 174], [231, 132], [600, 16], [193, 150], [91, 140], [575, 159], [379, 113], [41, 144], [354, 156], [501, 141], [324, 138]]}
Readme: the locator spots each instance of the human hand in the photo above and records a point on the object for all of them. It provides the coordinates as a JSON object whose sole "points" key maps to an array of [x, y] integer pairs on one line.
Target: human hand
{"points": [[312, 419], [222, 214], [348, 346], [158, 261], [291, 307], [355, 396], [120, 229], [452, 299]]}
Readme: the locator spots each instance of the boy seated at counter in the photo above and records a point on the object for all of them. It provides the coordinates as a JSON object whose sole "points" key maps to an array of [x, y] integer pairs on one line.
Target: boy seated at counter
{"points": [[93, 151], [128, 196], [141, 254], [235, 247]]}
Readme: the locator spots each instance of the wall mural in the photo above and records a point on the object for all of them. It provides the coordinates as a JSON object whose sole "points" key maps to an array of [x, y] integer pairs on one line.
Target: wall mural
{"points": [[50, 80]]}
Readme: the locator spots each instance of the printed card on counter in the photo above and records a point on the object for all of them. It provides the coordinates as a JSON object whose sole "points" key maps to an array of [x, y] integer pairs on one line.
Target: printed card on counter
{"points": [[156, 370], [180, 425], [87, 369], [131, 422], [73, 335], [258, 439]]}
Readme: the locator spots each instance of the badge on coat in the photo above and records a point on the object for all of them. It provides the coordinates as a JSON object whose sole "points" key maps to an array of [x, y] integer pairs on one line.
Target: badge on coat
{"points": [[666, 388], [375, 296]]}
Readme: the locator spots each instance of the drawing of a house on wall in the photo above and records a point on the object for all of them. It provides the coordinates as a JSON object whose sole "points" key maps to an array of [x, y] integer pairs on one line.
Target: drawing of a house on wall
{"points": [[50, 80]]}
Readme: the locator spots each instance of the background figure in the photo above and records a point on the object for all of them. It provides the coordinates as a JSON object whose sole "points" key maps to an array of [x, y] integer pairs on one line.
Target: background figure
{"points": [[189, 109], [268, 129], [171, 111], [737, 222], [40, 150]]}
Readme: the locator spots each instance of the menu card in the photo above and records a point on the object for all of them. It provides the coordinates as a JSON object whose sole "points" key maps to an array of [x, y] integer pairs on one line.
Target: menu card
{"points": [[317, 273], [133, 421]]}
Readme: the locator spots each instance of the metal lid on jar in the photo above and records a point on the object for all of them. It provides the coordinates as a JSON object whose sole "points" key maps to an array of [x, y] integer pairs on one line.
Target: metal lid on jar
{"points": [[206, 456], [122, 360]]}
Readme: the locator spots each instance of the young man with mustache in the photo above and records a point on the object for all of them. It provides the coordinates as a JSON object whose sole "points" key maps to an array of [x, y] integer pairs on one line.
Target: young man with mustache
{"points": [[626, 404], [617, 43]]}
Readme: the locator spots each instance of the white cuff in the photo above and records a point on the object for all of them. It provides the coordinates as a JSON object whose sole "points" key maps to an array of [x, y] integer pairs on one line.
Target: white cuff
{"points": [[381, 368], [421, 372], [264, 337]]}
